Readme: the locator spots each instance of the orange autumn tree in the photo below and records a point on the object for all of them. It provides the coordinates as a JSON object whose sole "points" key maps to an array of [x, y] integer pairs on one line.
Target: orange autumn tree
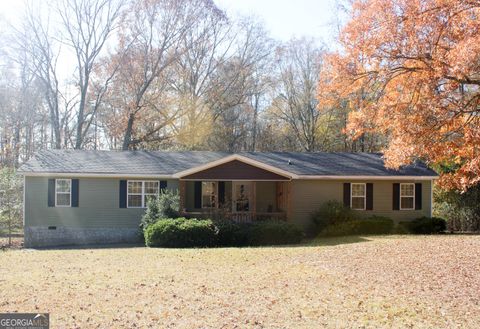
{"points": [[411, 71]]}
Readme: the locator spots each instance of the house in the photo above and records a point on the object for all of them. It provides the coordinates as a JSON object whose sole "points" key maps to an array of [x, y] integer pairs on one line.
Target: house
{"points": [[81, 197]]}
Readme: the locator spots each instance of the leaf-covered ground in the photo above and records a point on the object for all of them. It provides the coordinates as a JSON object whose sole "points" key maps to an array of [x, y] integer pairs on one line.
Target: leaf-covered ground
{"points": [[391, 282]]}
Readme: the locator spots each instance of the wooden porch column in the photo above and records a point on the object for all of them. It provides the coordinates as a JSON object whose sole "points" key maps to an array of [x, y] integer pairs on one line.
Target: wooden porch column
{"points": [[182, 191], [254, 201]]}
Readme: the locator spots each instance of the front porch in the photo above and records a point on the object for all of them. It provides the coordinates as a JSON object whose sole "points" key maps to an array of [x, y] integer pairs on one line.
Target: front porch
{"points": [[240, 201]]}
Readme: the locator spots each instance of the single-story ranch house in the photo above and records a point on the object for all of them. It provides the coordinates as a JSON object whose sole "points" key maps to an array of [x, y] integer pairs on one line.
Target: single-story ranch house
{"points": [[81, 197]]}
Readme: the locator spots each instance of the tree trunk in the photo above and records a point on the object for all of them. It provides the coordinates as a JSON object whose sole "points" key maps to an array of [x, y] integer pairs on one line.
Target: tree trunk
{"points": [[128, 133]]}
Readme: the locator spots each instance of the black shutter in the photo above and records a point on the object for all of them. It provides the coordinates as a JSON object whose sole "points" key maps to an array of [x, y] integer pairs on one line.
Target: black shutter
{"points": [[198, 195], [396, 196], [418, 196], [123, 194], [75, 186], [369, 196], [51, 192], [221, 193], [163, 186], [346, 194]]}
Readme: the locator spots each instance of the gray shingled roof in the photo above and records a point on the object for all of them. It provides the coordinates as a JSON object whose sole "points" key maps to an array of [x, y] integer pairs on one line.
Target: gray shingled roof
{"points": [[169, 163]]}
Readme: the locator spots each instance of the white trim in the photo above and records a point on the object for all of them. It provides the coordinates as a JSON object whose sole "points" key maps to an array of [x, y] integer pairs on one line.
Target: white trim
{"points": [[406, 196], [63, 206], [143, 206], [179, 174], [431, 199], [410, 178], [233, 180], [356, 196], [233, 157]]}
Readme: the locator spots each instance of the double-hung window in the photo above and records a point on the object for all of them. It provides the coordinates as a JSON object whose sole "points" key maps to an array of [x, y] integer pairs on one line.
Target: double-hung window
{"points": [[209, 194], [407, 196], [139, 192], [63, 193], [358, 196]]}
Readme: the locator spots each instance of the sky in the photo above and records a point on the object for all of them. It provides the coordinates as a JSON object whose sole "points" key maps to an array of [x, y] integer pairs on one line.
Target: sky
{"points": [[289, 18], [283, 18]]}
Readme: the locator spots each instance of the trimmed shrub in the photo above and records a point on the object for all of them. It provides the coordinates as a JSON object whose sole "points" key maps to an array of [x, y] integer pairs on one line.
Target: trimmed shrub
{"points": [[332, 213], [273, 233], [364, 226], [426, 225], [166, 205], [231, 234], [181, 233]]}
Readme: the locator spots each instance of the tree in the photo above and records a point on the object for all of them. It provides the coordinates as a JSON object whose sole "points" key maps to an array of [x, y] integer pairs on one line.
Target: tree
{"points": [[418, 62], [10, 200], [299, 65]]}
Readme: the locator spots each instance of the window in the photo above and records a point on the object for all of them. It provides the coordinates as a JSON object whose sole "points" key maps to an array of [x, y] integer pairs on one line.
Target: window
{"points": [[139, 192], [241, 196], [358, 196], [63, 192], [209, 194], [407, 196]]}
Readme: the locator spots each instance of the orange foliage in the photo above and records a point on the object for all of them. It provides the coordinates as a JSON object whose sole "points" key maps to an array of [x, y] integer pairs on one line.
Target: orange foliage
{"points": [[411, 70]]}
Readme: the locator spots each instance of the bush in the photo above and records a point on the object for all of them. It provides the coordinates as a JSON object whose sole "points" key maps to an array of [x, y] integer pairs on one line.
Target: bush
{"points": [[167, 205], [426, 225], [367, 226], [273, 233], [231, 234], [181, 233], [332, 213]]}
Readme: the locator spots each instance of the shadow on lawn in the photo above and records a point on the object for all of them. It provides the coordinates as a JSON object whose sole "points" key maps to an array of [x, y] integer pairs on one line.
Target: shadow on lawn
{"points": [[334, 241]]}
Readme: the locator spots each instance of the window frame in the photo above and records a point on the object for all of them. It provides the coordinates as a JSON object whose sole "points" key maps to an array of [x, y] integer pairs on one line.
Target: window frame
{"points": [[215, 195], [70, 192], [406, 196], [357, 196], [142, 194]]}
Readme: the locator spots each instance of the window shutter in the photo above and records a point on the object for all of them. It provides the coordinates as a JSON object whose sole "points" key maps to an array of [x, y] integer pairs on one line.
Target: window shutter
{"points": [[198, 195], [396, 196], [163, 186], [369, 192], [221, 193], [51, 192], [346, 194], [75, 186], [418, 196], [123, 194]]}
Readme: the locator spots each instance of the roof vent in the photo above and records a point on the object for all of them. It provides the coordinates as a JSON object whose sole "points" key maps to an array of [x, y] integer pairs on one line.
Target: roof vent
{"points": [[289, 162]]}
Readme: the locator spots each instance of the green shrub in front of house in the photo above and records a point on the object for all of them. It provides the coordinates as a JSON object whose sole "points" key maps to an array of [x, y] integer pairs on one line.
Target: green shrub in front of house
{"points": [[181, 233], [363, 226], [425, 225], [332, 213], [166, 205], [232, 234], [274, 233]]}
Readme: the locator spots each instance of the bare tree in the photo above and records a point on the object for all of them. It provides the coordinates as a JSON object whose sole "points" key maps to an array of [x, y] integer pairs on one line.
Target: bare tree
{"points": [[87, 25], [298, 68]]}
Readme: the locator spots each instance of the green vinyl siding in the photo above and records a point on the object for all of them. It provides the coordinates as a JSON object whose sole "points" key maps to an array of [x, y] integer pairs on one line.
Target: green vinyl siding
{"points": [[308, 195], [98, 205]]}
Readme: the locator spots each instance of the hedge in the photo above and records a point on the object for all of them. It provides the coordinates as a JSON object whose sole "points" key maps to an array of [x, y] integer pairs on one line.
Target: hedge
{"points": [[368, 226], [425, 225], [181, 233]]}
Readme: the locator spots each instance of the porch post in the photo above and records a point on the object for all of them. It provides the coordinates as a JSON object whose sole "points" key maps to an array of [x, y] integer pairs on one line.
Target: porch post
{"points": [[182, 190], [254, 201]]}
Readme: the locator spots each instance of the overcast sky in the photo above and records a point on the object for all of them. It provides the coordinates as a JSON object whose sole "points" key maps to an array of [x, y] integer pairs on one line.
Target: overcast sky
{"points": [[283, 18]]}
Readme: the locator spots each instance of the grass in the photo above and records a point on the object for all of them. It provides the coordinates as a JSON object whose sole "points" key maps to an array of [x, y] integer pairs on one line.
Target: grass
{"points": [[394, 281]]}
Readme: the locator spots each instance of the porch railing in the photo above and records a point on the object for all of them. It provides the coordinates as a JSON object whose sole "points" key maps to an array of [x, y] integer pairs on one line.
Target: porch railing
{"points": [[239, 217]]}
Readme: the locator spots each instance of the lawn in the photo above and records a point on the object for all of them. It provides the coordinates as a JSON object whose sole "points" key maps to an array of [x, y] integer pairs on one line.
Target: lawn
{"points": [[396, 281]]}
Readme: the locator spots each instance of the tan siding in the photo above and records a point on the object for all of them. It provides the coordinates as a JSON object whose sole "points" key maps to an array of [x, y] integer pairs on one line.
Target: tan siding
{"points": [[98, 205], [309, 195]]}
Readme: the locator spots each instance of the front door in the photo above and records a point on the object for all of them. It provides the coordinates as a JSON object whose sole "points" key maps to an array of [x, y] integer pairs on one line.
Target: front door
{"points": [[242, 196]]}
